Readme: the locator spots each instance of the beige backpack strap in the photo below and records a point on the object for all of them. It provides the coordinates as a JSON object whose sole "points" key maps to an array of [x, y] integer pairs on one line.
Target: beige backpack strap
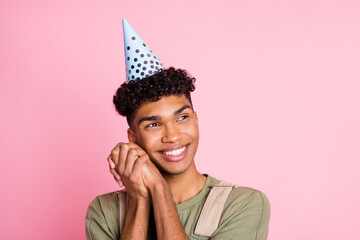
{"points": [[211, 213], [122, 208]]}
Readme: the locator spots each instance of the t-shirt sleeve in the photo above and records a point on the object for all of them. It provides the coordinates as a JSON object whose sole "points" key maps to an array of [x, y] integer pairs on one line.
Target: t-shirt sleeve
{"points": [[97, 227], [245, 217]]}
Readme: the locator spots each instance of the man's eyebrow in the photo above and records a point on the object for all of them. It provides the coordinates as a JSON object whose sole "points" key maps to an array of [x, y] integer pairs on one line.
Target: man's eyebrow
{"points": [[181, 109], [153, 118]]}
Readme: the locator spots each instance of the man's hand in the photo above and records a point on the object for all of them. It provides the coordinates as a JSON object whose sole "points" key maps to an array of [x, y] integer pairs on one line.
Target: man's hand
{"points": [[126, 163], [114, 155], [132, 168], [152, 176]]}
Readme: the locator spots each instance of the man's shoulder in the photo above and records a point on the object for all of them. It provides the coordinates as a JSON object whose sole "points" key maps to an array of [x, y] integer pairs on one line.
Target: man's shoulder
{"points": [[246, 213], [241, 196], [242, 193], [107, 203], [110, 196], [102, 216]]}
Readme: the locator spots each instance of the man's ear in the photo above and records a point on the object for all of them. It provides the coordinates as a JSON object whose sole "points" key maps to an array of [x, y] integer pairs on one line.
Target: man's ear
{"points": [[131, 135], [196, 118]]}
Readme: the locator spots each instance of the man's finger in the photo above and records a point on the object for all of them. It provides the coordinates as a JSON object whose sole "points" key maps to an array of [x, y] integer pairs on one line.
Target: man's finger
{"points": [[115, 152], [112, 170], [139, 164], [111, 163], [130, 160], [120, 183], [120, 164], [117, 177], [115, 174]]}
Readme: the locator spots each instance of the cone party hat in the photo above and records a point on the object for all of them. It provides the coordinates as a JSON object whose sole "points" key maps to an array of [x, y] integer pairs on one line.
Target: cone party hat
{"points": [[140, 60]]}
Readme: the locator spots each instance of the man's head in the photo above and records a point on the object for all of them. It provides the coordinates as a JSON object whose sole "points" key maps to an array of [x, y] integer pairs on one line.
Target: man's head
{"points": [[161, 118], [130, 96]]}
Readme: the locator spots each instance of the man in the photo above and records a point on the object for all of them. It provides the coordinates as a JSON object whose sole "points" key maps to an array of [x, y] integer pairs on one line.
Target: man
{"points": [[166, 197]]}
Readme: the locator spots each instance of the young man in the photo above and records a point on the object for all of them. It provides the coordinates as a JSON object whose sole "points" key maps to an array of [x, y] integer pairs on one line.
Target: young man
{"points": [[166, 197]]}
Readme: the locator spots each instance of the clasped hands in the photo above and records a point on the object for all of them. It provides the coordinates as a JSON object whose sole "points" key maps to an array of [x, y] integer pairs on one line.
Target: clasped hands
{"points": [[131, 167]]}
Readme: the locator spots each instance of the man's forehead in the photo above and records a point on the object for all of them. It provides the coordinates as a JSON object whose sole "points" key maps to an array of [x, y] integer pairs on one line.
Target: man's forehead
{"points": [[164, 106]]}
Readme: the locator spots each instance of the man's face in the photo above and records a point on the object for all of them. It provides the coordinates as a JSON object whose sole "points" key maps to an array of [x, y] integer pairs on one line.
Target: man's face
{"points": [[168, 131]]}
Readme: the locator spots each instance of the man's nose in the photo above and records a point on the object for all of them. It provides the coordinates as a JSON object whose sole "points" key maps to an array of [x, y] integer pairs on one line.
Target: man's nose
{"points": [[172, 134]]}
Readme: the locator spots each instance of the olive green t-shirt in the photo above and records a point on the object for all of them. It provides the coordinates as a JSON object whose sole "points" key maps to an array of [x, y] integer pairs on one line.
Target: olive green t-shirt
{"points": [[245, 216]]}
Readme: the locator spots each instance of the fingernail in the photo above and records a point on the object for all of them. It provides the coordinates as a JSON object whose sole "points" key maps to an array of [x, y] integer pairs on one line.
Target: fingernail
{"points": [[112, 164]]}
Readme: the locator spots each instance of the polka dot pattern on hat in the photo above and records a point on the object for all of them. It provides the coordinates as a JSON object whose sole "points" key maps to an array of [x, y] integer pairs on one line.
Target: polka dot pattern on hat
{"points": [[138, 56]]}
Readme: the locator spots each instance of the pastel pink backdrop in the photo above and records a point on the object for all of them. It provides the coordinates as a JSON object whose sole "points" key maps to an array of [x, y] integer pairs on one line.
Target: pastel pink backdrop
{"points": [[277, 98]]}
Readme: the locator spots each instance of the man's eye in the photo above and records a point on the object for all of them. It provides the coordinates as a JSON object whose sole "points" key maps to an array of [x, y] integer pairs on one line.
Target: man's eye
{"points": [[182, 118], [152, 125]]}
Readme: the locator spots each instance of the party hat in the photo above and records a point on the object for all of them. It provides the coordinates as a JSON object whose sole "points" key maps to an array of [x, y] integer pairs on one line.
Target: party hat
{"points": [[141, 61]]}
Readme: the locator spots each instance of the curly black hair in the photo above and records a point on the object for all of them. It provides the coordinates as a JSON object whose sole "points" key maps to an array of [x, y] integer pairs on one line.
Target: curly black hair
{"points": [[130, 96]]}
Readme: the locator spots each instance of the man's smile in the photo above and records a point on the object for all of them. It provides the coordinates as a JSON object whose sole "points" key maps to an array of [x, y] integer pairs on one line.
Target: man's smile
{"points": [[174, 153]]}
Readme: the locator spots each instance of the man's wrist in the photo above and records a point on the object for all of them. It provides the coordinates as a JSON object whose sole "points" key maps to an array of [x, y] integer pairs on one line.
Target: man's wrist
{"points": [[158, 188], [139, 202]]}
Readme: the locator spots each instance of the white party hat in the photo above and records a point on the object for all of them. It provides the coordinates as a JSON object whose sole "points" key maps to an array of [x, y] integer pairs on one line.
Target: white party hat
{"points": [[141, 61]]}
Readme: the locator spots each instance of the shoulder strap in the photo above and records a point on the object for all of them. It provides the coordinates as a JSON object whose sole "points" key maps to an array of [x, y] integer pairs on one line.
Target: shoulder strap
{"points": [[122, 208], [211, 213]]}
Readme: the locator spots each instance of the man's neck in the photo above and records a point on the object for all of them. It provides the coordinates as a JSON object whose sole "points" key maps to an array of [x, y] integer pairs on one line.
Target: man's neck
{"points": [[186, 185]]}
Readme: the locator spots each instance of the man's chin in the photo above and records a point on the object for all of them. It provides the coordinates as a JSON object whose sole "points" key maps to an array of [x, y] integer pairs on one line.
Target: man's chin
{"points": [[174, 170]]}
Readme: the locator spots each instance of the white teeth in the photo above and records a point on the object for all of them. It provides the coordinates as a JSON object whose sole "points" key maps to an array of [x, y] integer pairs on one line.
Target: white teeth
{"points": [[175, 152]]}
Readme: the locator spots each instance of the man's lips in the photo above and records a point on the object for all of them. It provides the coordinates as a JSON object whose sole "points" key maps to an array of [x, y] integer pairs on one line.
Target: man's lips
{"points": [[174, 153], [173, 148]]}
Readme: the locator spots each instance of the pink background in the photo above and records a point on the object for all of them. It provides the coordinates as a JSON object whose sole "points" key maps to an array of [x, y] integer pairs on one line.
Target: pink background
{"points": [[277, 96]]}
